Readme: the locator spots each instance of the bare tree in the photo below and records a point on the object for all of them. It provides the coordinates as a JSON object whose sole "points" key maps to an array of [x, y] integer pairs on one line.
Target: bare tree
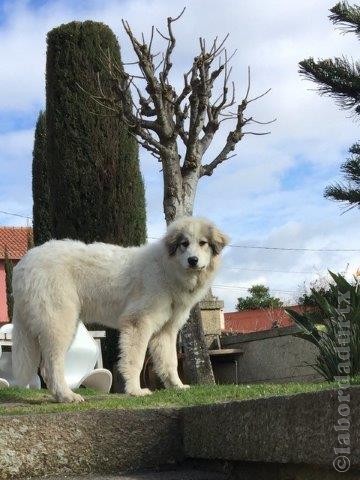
{"points": [[163, 118]]}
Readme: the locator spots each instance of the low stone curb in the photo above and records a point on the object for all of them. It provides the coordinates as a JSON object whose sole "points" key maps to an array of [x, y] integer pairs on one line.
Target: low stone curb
{"points": [[180, 474], [294, 429], [89, 442], [290, 431]]}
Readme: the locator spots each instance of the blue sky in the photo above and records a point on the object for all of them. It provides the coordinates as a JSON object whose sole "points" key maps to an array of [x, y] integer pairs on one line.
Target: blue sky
{"points": [[271, 193]]}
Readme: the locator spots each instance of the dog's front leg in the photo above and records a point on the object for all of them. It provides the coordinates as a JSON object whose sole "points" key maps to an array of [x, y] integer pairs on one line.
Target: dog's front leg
{"points": [[134, 339], [162, 347]]}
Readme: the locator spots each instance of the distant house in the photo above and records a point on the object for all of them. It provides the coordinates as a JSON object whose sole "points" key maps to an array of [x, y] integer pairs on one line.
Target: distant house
{"points": [[15, 240], [248, 321]]}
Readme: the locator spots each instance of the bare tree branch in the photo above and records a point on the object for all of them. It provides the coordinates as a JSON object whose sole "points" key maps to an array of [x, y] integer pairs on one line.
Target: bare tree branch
{"points": [[161, 116], [259, 96], [171, 45], [261, 123], [151, 38], [232, 139], [256, 133], [146, 66]]}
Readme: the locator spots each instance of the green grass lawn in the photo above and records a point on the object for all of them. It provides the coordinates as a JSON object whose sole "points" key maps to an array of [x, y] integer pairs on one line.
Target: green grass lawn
{"points": [[21, 401]]}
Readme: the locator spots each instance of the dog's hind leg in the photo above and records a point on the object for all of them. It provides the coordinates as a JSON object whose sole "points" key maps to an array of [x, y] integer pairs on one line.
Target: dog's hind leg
{"points": [[25, 350], [55, 341], [162, 347], [134, 339]]}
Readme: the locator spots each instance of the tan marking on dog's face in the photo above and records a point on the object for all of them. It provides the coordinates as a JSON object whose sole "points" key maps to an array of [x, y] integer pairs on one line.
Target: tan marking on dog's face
{"points": [[194, 242], [217, 239]]}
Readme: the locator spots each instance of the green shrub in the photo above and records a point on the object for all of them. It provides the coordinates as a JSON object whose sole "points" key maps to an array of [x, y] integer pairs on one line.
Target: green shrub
{"points": [[338, 338]]}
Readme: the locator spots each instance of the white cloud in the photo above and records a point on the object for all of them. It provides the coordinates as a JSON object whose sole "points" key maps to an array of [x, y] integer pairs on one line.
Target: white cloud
{"points": [[16, 144], [15, 180], [330, 233]]}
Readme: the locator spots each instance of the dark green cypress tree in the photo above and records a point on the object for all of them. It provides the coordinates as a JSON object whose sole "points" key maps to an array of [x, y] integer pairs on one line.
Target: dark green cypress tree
{"points": [[8, 280], [30, 240], [97, 192], [40, 185], [340, 79]]}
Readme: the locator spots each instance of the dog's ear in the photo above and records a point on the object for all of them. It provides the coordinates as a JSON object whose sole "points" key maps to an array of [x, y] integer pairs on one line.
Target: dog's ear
{"points": [[172, 241], [217, 240]]}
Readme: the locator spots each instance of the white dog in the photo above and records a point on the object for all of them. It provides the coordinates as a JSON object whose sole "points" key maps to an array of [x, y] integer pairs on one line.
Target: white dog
{"points": [[146, 292]]}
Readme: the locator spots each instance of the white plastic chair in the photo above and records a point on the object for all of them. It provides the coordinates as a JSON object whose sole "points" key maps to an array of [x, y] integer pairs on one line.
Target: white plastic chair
{"points": [[6, 363], [80, 362], [7, 329], [3, 383]]}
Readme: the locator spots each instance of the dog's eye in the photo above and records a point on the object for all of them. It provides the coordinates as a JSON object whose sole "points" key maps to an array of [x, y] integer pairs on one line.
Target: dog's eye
{"points": [[202, 243], [185, 243]]}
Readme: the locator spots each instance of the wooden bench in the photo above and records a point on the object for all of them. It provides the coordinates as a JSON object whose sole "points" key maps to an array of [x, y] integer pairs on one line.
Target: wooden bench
{"points": [[223, 352], [225, 355]]}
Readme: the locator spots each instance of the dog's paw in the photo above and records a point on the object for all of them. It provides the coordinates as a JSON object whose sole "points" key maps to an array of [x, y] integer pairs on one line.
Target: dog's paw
{"points": [[139, 392], [70, 397], [183, 386]]}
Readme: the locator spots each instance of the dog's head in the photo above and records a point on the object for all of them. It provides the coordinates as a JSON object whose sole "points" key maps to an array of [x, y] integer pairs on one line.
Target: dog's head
{"points": [[195, 243]]}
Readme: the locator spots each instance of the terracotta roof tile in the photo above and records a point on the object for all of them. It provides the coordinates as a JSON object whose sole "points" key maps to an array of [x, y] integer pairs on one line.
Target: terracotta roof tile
{"points": [[247, 321], [15, 240]]}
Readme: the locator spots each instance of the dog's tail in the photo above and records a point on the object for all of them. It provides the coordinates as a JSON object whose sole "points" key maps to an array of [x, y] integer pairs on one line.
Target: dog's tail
{"points": [[25, 354]]}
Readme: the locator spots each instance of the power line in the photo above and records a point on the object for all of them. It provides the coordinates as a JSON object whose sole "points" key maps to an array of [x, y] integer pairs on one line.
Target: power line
{"points": [[267, 270], [286, 249], [296, 249], [237, 287], [15, 215]]}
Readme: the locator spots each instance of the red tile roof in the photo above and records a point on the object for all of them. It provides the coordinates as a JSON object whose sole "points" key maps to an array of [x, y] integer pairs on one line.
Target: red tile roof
{"points": [[15, 240], [248, 321]]}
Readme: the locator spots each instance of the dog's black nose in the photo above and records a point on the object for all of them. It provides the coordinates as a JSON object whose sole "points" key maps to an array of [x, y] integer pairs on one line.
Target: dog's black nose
{"points": [[193, 261]]}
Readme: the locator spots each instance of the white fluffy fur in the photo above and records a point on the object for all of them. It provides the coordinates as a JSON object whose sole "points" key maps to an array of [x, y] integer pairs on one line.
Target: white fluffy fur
{"points": [[146, 292]]}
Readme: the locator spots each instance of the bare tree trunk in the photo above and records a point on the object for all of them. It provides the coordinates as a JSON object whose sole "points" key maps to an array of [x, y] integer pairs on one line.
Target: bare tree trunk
{"points": [[173, 186], [189, 187], [179, 197], [197, 364]]}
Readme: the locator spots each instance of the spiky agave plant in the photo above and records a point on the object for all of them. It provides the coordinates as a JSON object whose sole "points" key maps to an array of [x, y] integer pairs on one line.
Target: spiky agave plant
{"points": [[339, 336]]}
